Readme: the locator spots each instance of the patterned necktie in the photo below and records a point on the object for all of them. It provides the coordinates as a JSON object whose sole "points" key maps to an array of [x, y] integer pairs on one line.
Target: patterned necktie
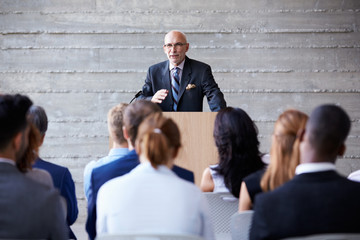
{"points": [[175, 86]]}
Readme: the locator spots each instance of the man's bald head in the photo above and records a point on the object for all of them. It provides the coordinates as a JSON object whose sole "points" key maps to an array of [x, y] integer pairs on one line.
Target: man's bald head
{"points": [[327, 129]]}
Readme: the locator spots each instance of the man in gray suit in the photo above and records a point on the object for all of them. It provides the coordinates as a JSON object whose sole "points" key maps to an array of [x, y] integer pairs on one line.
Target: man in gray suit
{"points": [[28, 209]]}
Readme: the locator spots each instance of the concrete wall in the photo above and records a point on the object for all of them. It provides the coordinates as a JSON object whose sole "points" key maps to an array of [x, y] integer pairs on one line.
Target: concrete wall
{"points": [[79, 58]]}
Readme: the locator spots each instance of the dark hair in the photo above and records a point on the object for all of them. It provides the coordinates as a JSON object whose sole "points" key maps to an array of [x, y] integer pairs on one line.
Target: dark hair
{"points": [[13, 116], [38, 117], [238, 147], [328, 128], [135, 113], [157, 136], [116, 121]]}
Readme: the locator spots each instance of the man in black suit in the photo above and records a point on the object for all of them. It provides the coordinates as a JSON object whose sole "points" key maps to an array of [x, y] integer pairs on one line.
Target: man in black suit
{"points": [[317, 200], [29, 209], [181, 83]]}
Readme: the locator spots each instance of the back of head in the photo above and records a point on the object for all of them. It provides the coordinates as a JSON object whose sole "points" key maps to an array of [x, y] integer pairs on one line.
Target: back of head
{"points": [[116, 121], [238, 147], [135, 113], [13, 117], [284, 153], [327, 129], [158, 139], [39, 118]]}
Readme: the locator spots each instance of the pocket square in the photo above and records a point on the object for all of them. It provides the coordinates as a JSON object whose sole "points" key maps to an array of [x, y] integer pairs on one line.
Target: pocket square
{"points": [[190, 86]]}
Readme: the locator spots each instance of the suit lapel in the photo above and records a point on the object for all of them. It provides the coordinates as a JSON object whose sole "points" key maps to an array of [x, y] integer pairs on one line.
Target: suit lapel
{"points": [[185, 78]]}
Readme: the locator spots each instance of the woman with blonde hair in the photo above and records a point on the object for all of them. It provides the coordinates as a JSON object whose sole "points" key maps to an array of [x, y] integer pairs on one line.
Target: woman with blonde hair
{"points": [[151, 198], [284, 157]]}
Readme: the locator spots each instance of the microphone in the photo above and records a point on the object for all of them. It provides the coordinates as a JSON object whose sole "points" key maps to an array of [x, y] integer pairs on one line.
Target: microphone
{"points": [[136, 95], [146, 91]]}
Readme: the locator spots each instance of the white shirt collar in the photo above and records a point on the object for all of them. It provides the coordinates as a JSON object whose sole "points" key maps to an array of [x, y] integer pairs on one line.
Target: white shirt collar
{"points": [[181, 65], [314, 167], [6, 160]]}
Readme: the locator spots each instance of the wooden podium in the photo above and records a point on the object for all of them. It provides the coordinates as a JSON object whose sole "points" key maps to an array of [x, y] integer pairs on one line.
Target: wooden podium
{"points": [[198, 148]]}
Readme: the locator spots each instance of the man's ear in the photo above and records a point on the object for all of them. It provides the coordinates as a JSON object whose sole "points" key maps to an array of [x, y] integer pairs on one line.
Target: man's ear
{"points": [[342, 150], [42, 140], [125, 133], [301, 134], [17, 141]]}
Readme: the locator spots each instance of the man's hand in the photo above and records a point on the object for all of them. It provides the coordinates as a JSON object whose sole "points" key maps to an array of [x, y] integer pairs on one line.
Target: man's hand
{"points": [[160, 96]]}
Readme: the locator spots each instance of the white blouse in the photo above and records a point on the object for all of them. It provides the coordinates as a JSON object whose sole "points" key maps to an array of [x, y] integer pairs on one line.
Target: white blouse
{"points": [[149, 200]]}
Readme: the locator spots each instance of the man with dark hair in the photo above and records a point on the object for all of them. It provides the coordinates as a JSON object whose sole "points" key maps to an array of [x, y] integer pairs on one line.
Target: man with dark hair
{"points": [[134, 114], [317, 200], [29, 210], [61, 176]]}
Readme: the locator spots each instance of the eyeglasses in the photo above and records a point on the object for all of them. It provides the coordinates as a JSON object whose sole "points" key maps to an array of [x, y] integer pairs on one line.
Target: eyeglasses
{"points": [[176, 45]]}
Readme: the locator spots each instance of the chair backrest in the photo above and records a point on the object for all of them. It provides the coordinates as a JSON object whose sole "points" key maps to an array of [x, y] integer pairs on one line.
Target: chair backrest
{"points": [[222, 207], [144, 236], [328, 236], [240, 224]]}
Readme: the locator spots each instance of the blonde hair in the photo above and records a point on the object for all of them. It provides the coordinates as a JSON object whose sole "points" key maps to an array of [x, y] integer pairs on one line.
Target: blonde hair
{"points": [[284, 153], [158, 137], [116, 121]]}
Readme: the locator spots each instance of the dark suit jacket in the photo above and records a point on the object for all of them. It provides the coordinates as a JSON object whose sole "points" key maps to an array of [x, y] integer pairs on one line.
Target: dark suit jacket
{"points": [[311, 203], [117, 168], [29, 210], [63, 181], [191, 100]]}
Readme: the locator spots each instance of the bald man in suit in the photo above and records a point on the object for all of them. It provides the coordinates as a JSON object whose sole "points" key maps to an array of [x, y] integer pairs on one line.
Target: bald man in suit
{"points": [[181, 83]]}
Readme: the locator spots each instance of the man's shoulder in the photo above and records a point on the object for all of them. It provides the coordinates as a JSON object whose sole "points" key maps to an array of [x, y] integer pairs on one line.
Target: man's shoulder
{"points": [[159, 65], [196, 63], [42, 164], [129, 159]]}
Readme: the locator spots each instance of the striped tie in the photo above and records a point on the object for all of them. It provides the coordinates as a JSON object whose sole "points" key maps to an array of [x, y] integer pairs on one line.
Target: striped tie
{"points": [[175, 86]]}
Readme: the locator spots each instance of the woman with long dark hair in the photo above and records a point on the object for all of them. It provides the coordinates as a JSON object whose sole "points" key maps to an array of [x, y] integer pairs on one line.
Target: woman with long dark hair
{"points": [[236, 140]]}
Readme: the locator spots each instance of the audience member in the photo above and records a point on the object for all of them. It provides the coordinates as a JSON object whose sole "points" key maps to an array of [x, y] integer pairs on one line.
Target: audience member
{"points": [[317, 200], [284, 157], [61, 176], [355, 176], [25, 163], [238, 147], [29, 210], [181, 83], [151, 198], [134, 114], [119, 145]]}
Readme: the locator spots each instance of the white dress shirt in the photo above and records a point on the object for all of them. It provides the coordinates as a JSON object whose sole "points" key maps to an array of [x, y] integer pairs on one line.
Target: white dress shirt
{"points": [[6, 160], [314, 167], [181, 66], [149, 200], [355, 176]]}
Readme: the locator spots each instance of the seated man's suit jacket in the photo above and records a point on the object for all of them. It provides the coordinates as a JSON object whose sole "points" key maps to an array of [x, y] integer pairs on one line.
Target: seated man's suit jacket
{"points": [[29, 209], [117, 168], [63, 181], [196, 82], [310, 203]]}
